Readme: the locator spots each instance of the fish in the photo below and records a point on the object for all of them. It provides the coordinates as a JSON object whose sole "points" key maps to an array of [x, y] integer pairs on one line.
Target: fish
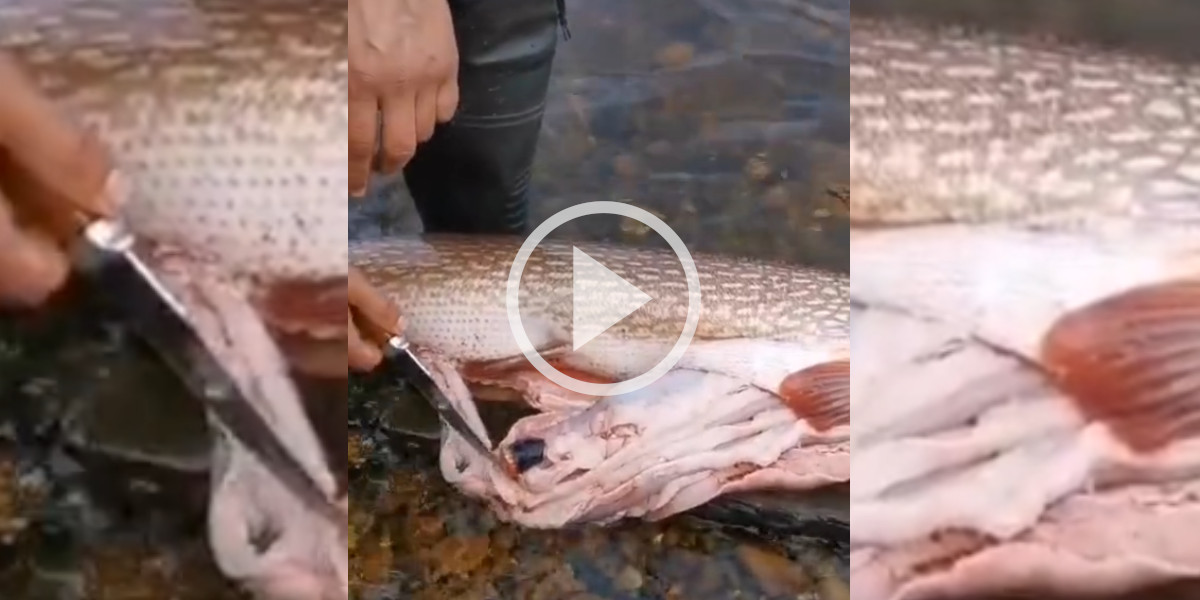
{"points": [[226, 124], [1026, 315], [758, 401]]}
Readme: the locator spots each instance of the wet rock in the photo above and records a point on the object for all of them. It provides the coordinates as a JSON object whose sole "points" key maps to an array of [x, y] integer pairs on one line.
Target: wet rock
{"points": [[459, 556], [629, 579], [16, 500], [373, 565], [777, 575], [626, 166], [758, 169], [675, 56]]}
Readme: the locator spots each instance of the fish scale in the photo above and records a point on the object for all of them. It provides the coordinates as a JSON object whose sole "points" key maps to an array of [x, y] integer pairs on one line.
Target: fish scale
{"points": [[948, 126]]}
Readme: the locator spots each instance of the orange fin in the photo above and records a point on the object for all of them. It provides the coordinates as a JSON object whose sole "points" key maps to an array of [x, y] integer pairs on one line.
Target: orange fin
{"points": [[1133, 362], [316, 308], [820, 394]]}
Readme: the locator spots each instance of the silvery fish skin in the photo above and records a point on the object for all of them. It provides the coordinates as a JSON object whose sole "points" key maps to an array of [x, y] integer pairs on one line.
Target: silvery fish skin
{"points": [[227, 122], [730, 416], [1026, 218]]}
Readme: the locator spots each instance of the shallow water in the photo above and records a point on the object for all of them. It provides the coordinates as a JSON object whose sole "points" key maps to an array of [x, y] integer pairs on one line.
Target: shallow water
{"points": [[725, 117]]}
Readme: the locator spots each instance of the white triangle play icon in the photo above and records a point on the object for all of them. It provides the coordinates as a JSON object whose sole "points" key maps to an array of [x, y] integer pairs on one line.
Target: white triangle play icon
{"points": [[599, 298]]}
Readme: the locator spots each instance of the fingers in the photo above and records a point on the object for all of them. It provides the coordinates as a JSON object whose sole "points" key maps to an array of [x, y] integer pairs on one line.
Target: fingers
{"points": [[425, 114], [447, 100], [379, 316], [361, 138], [399, 131], [372, 319], [31, 265], [47, 146], [35, 204]]}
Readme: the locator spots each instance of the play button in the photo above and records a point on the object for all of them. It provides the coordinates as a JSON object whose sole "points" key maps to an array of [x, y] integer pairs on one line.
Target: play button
{"points": [[599, 298]]}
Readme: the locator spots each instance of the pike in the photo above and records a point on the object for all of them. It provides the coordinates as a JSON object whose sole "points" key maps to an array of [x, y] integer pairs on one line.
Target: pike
{"points": [[758, 401], [1026, 258], [227, 123]]}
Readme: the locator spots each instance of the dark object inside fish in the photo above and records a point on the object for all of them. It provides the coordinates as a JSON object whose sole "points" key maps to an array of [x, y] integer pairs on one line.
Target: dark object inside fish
{"points": [[527, 453]]}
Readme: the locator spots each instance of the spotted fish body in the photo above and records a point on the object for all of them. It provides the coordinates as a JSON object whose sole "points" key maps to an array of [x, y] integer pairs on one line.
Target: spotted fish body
{"points": [[953, 127], [739, 298], [452, 291], [226, 122], [1027, 269]]}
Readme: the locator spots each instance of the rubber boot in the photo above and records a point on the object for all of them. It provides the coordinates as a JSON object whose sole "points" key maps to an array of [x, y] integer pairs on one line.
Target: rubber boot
{"points": [[473, 175]]}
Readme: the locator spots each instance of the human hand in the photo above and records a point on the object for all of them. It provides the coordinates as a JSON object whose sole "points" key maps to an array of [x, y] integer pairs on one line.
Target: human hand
{"points": [[404, 69], [49, 173], [372, 319]]}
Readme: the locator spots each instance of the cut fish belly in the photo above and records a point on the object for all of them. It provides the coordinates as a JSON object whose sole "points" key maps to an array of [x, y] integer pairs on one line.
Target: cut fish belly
{"points": [[1010, 488], [664, 449], [305, 557]]}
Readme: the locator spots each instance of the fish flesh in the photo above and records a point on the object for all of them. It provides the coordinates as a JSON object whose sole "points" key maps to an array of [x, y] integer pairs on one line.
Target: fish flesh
{"points": [[1027, 316], [981, 480], [226, 122], [759, 401]]}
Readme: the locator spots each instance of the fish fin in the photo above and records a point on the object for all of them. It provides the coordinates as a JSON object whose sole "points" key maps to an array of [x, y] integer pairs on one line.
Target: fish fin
{"points": [[316, 308], [820, 394], [1132, 362]]}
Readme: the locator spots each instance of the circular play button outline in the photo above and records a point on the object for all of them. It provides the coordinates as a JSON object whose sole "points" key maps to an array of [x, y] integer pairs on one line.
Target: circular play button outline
{"points": [[512, 297]]}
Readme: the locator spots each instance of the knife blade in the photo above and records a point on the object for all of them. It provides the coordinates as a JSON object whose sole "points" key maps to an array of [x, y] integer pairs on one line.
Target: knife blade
{"points": [[400, 362], [135, 295]]}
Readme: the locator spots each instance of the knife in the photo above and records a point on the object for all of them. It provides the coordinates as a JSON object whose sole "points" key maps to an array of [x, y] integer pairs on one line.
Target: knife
{"points": [[400, 362], [128, 288]]}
